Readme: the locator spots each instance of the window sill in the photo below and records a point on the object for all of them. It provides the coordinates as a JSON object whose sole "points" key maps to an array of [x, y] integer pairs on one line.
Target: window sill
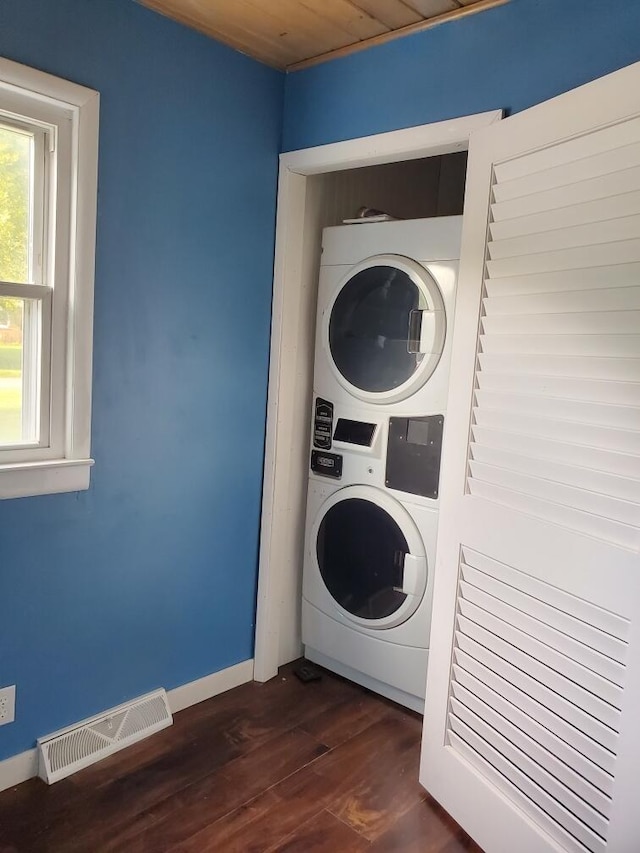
{"points": [[26, 479]]}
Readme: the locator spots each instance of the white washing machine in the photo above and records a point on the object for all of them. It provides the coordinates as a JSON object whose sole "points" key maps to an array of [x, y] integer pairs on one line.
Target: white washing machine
{"points": [[385, 304], [368, 570]]}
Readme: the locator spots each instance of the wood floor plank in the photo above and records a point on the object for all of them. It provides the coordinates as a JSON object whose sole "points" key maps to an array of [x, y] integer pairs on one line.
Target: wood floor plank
{"points": [[292, 803], [370, 752], [176, 818], [197, 806], [19, 804], [275, 761], [235, 831], [425, 828], [375, 774], [323, 834], [378, 799], [340, 723]]}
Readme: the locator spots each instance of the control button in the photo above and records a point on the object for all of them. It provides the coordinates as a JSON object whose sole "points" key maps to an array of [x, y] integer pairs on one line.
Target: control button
{"points": [[323, 423], [327, 464]]}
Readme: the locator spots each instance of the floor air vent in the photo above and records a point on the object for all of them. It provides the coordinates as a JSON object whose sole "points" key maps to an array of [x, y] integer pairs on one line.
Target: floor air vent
{"points": [[73, 748]]}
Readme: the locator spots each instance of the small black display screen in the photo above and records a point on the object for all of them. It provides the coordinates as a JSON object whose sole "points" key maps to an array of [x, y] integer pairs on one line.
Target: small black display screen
{"points": [[354, 432]]}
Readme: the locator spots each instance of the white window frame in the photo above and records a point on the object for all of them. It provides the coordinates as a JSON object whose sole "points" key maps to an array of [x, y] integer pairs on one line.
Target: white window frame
{"points": [[61, 460]]}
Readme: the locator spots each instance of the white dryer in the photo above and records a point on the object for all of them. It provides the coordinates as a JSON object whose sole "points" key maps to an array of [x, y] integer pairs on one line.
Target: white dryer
{"points": [[385, 306]]}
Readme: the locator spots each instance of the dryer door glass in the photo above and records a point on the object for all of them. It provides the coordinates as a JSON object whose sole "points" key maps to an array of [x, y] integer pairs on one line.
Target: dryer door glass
{"points": [[370, 329], [360, 551]]}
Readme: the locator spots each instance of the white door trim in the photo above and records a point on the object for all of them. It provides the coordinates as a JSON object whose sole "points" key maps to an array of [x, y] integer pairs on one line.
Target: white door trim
{"points": [[411, 143]]}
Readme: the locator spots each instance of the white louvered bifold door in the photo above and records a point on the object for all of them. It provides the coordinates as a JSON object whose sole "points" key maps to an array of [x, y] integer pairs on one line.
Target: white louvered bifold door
{"points": [[532, 719]]}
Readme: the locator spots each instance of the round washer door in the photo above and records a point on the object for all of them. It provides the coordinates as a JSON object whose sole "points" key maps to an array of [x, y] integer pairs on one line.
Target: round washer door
{"points": [[370, 556], [385, 328]]}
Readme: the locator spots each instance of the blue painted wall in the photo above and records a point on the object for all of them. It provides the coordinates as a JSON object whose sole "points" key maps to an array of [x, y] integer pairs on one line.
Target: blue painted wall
{"points": [[510, 57], [149, 578]]}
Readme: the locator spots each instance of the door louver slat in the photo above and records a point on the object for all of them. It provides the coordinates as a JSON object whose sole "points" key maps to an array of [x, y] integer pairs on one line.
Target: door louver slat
{"points": [[552, 387], [580, 367], [618, 510], [603, 669], [616, 138], [613, 280], [558, 359], [625, 298], [604, 653], [578, 520], [570, 746], [602, 187], [609, 322], [559, 671], [552, 240], [537, 675], [625, 488], [625, 251], [609, 346], [568, 173], [578, 432], [533, 739], [594, 617], [541, 448], [593, 412], [603, 738], [526, 754], [626, 204], [521, 788]]}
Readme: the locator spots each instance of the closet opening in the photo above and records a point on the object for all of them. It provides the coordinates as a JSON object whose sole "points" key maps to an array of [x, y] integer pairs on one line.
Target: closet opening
{"points": [[410, 174]]}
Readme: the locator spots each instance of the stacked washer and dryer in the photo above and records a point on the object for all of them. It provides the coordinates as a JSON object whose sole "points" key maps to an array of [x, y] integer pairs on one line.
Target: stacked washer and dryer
{"points": [[385, 309]]}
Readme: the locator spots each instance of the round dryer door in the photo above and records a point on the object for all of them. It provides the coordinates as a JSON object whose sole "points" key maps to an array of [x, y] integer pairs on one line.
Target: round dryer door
{"points": [[385, 328], [370, 556]]}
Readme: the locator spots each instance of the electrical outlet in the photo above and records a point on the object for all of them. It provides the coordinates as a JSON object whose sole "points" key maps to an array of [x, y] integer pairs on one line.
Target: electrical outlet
{"points": [[7, 704]]}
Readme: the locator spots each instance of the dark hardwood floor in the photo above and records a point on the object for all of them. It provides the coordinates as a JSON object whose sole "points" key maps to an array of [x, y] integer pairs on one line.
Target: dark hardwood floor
{"points": [[282, 766]]}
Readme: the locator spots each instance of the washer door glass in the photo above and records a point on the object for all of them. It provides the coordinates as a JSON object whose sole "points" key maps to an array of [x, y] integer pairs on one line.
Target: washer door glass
{"points": [[370, 328], [360, 551]]}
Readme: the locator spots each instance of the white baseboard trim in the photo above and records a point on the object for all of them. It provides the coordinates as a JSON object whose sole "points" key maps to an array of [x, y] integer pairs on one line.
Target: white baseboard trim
{"points": [[19, 768], [209, 686]]}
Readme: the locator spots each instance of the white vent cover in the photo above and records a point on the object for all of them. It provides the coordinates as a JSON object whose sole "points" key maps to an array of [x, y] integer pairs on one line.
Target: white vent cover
{"points": [[64, 752]]}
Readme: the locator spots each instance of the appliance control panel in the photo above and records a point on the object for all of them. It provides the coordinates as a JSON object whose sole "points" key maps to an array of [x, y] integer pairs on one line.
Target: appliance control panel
{"points": [[322, 423], [414, 447], [327, 464]]}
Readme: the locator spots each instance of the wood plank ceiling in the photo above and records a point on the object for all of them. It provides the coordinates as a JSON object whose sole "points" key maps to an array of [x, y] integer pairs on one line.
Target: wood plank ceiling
{"points": [[291, 34]]}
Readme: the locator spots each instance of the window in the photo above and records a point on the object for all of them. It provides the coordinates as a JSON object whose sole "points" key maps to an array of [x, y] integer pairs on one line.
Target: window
{"points": [[48, 182]]}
